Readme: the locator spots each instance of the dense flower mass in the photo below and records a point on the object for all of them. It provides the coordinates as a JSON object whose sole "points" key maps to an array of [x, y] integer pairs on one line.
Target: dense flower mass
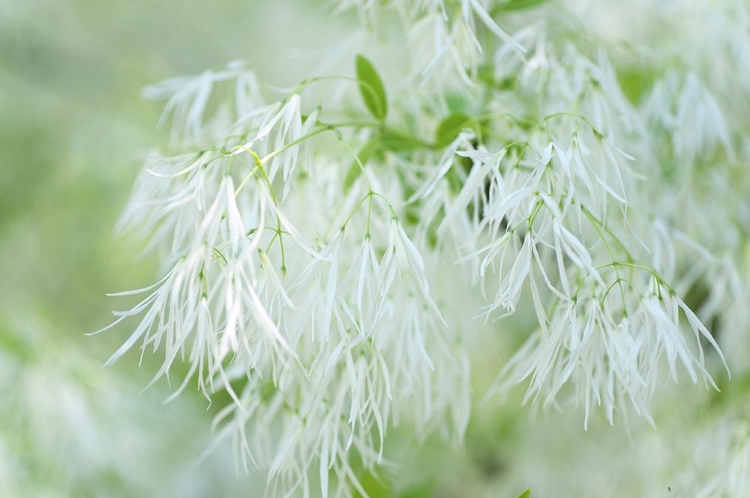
{"points": [[314, 252]]}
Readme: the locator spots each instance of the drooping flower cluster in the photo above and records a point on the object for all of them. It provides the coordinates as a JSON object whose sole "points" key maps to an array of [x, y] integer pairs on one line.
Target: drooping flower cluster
{"points": [[555, 211], [311, 307], [301, 244], [446, 36]]}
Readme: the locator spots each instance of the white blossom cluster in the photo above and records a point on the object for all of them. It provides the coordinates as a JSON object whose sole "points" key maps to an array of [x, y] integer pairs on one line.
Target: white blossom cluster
{"points": [[445, 36], [310, 307], [310, 252]]}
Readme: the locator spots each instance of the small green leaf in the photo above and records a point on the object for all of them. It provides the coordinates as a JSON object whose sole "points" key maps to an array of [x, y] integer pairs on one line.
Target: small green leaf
{"points": [[507, 83], [371, 88], [364, 155], [525, 494], [424, 490], [396, 141], [375, 486], [449, 128], [456, 101], [514, 5]]}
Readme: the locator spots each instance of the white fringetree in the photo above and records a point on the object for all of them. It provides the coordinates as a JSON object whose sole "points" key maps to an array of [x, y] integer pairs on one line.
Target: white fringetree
{"points": [[319, 253]]}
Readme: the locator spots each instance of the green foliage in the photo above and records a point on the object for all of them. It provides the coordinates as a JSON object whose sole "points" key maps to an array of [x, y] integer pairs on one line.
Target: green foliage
{"points": [[525, 494], [374, 485], [396, 141], [424, 490], [486, 74], [450, 127], [371, 88], [635, 82], [516, 5], [384, 140]]}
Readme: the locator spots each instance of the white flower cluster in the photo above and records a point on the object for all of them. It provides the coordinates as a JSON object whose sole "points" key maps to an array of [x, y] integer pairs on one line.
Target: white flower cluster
{"points": [[552, 210], [443, 34], [310, 307], [301, 244]]}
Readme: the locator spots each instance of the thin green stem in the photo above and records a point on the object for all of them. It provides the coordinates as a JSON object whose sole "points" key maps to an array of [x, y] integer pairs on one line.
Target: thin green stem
{"points": [[609, 232], [598, 227], [369, 195], [264, 175]]}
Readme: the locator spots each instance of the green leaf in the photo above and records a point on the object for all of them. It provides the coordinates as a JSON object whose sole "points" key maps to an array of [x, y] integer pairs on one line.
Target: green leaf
{"points": [[396, 141], [449, 128], [507, 83], [425, 490], [514, 5], [364, 155], [371, 88], [375, 486], [525, 494], [456, 101], [486, 74]]}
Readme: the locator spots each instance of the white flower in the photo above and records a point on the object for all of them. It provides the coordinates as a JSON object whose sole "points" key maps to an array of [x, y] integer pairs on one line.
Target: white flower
{"points": [[613, 355], [188, 97], [444, 35], [402, 262], [688, 120]]}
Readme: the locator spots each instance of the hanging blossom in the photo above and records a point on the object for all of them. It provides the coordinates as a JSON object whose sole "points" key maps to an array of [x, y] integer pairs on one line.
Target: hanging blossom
{"points": [[444, 34], [188, 102], [210, 298], [322, 339], [372, 350], [611, 350], [611, 321], [211, 210], [698, 157], [299, 270], [559, 77], [550, 213], [689, 132], [687, 120], [668, 39]]}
